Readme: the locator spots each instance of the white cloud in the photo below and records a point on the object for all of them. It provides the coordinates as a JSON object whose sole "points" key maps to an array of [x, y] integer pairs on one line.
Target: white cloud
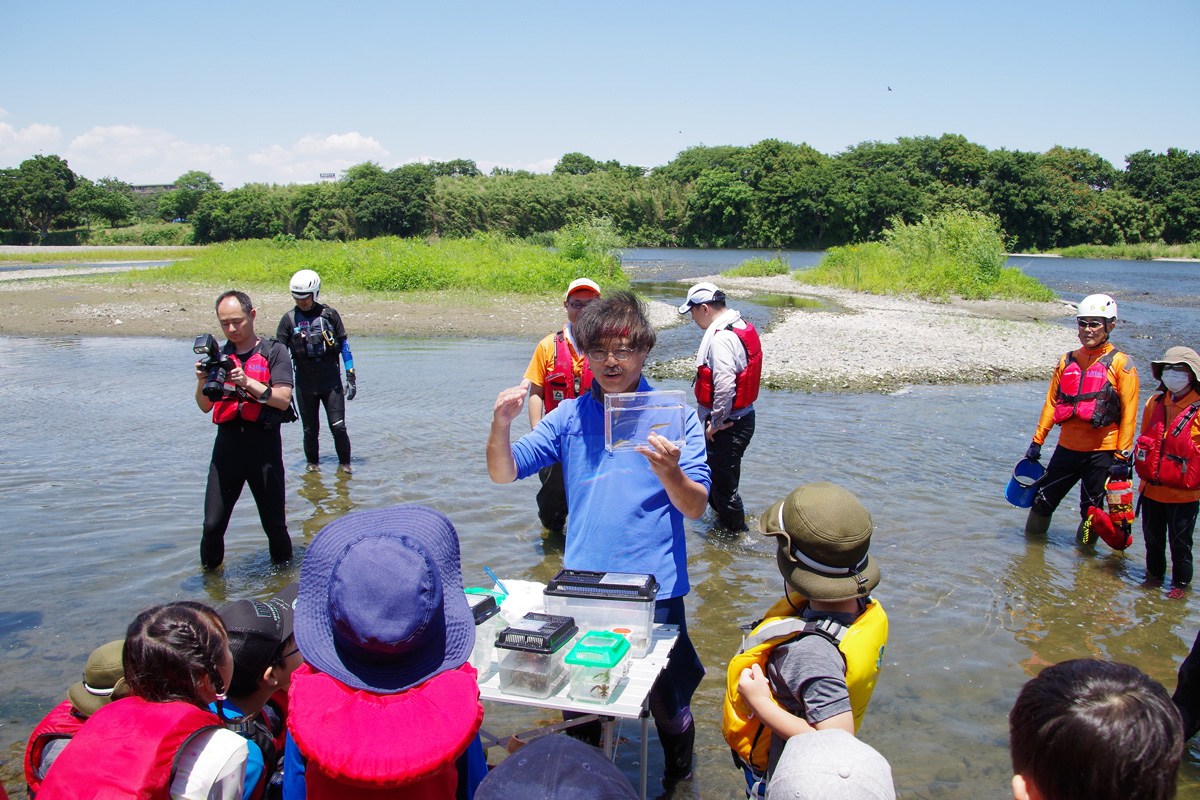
{"points": [[304, 161], [145, 155], [3, 113], [18, 145], [544, 165]]}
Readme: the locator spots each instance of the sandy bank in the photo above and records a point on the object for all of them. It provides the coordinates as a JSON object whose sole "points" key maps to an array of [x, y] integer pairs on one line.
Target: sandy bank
{"points": [[855, 342]]}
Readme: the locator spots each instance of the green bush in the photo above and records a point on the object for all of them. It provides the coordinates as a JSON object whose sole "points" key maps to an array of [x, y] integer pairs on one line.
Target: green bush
{"points": [[487, 263], [760, 267], [957, 252], [1137, 252], [173, 235]]}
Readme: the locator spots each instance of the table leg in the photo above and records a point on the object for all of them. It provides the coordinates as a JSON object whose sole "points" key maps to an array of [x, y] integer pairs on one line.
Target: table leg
{"points": [[645, 750], [607, 741]]}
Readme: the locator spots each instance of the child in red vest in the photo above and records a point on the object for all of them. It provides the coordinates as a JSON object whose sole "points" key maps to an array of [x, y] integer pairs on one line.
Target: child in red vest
{"points": [[386, 702]]}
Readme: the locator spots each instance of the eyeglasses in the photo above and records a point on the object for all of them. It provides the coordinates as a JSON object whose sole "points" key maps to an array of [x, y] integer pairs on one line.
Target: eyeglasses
{"points": [[1088, 325], [577, 305], [286, 656], [1174, 368], [621, 354]]}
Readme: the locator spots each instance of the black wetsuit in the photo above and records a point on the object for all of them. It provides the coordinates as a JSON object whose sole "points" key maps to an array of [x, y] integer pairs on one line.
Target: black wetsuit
{"points": [[248, 453], [318, 379]]}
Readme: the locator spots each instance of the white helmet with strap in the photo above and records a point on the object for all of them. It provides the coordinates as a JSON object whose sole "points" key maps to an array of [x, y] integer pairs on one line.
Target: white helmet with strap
{"points": [[306, 282], [1095, 305]]}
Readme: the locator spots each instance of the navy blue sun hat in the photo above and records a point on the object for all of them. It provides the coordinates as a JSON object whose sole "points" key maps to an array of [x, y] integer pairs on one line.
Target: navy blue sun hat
{"points": [[381, 605]]}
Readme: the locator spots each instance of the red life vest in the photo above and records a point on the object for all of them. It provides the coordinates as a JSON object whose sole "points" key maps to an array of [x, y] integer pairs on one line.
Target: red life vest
{"points": [[360, 744], [235, 403], [127, 749], [562, 383], [1089, 395], [1168, 457], [60, 723], [747, 381]]}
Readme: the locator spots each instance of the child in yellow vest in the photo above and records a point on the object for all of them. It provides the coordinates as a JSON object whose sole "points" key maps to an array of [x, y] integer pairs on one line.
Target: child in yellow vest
{"points": [[812, 662]]}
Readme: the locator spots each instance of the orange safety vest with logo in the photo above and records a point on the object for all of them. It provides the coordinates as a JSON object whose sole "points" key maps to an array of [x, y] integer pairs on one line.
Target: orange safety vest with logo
{"points": [[60, 723], [861, 644], [128, 748], [1088, 395], [1168, 456], [562, 383], [236, 403], [747, 381]]}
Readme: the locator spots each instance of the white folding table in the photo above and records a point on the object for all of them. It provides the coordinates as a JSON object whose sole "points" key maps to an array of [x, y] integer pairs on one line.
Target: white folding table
{"points": [[631, 699]]}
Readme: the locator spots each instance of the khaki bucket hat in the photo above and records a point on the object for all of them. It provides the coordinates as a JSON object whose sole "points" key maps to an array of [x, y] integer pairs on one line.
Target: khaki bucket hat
{"points": [[103, 679], [822, 535], [1177, 355]]}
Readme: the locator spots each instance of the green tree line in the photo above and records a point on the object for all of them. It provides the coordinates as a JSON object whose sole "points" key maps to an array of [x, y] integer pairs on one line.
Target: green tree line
{"points": [[771, 194]]}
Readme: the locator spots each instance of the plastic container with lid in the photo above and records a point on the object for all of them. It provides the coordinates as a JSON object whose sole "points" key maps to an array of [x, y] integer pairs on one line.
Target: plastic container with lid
{"points": [[532, 652], [488, 623], [596, 664], [607, 601]]}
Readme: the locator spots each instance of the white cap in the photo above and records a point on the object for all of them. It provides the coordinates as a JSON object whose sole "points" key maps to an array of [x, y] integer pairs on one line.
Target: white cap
{"points": [[830, 765], [581, 283], [701, 293]]}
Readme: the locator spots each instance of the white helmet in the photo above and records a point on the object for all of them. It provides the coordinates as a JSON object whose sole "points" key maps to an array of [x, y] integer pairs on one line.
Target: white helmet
{"points": [[306, 282], [1094, 305]]}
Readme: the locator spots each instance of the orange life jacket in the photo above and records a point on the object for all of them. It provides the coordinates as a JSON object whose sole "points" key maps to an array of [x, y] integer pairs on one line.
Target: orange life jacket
{"points": [[562, 383], [1168, 456], [1088, 395], [747, 381]]}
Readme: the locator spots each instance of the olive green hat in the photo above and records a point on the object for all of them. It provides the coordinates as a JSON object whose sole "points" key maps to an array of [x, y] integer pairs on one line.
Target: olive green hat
{"points": [[103, 679], [822, 535], [1177, 355]]}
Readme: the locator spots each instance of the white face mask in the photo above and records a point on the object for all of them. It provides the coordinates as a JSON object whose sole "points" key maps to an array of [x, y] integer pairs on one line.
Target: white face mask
{"points": [[1175, 381]]}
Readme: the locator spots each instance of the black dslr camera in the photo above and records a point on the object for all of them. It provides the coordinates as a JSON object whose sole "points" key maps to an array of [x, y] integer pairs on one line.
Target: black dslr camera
{"points": [[218, 365]]}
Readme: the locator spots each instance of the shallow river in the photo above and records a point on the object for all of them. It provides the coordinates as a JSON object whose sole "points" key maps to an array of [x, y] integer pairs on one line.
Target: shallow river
{"points": [[102, 477]]}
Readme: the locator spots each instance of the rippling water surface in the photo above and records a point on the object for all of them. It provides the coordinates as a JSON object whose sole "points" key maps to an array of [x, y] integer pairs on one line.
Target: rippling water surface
{"points": [[102, 478]]}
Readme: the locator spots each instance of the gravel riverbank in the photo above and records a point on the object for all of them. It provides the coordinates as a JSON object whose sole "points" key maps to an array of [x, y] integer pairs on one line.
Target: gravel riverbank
{"points": [[855, 342]]}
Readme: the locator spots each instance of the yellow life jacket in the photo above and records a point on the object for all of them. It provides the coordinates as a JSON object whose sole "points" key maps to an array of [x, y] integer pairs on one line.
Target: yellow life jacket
{"points": [[861, 645]]}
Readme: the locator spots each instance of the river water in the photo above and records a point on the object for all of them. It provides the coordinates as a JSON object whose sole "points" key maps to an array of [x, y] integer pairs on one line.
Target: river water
{"points": [[102, 478]]}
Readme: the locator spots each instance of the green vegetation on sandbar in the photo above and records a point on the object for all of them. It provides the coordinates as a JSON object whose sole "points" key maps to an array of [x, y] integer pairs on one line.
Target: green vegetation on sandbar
{"points": [[487, 263], [760, 268], [957, 252], [34, 255], [1136, 252]]}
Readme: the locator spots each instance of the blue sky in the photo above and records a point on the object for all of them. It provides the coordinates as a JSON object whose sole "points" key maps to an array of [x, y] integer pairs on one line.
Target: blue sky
{"points": [[281, 92]]}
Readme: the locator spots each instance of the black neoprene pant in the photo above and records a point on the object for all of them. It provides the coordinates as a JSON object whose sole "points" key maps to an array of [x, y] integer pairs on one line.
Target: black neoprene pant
{"points": [[310, 395], [245, 453], [1066, 468]]}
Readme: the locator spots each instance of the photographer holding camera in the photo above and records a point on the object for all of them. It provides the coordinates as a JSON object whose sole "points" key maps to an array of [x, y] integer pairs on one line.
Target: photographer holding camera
{"points": [[247, 385]]}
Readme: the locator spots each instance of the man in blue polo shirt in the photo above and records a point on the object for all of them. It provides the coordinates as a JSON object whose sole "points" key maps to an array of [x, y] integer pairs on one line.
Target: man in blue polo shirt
{"points": [[627, 507]]}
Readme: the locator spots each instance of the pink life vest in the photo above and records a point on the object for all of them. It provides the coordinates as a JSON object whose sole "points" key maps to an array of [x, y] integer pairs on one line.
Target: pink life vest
{"points": [[235, 403], [360, 744], [562, 383], [1168, 457], [60, 723], [1089, 395], [127, 749], [747, 381]]}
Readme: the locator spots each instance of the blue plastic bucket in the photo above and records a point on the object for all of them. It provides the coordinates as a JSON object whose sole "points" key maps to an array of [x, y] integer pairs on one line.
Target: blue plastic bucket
{"points": [[1022, 486]]}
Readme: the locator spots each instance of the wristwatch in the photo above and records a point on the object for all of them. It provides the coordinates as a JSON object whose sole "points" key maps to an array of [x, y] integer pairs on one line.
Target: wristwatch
{"points": [[265, 396]]}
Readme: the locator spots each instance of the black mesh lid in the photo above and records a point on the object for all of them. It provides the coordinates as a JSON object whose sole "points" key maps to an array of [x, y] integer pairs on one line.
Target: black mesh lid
{"points": [[538, 633], [483, 607], [603, 585]]}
